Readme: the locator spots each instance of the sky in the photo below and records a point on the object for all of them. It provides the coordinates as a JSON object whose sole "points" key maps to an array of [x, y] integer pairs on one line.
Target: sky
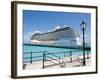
{"points": [[43, 21]]}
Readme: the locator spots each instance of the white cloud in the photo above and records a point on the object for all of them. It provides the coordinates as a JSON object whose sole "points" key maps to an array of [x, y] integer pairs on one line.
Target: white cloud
{"points": [[28, 35], [84, 36], [87, 38]]}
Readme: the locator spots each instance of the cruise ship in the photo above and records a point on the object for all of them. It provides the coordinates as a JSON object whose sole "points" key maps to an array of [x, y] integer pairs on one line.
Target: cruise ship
{"points": [[65, 36]]}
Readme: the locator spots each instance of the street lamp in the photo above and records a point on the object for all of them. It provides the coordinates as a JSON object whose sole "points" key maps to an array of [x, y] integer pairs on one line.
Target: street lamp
{"points": [[83, 26]]}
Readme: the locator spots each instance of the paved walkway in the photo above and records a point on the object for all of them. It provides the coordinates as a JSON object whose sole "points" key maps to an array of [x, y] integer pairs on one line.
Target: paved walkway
{"points": [[55, 64]]}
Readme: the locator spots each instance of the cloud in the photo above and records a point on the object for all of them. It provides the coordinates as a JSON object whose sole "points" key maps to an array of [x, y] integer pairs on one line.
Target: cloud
{"points": [[84, 36], [87, 38], [28, 35]]}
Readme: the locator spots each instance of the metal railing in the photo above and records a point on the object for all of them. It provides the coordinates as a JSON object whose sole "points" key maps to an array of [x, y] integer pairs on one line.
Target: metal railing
{"points": [[52, 58], [31, 56], [47, 56]]}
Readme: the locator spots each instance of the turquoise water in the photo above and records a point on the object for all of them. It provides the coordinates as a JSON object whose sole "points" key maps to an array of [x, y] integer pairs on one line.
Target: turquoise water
{"points": [[38, 52]]}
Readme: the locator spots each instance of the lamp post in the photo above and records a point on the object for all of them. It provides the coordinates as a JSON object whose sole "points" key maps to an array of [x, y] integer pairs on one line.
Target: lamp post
{"points": [[83, 26]]}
